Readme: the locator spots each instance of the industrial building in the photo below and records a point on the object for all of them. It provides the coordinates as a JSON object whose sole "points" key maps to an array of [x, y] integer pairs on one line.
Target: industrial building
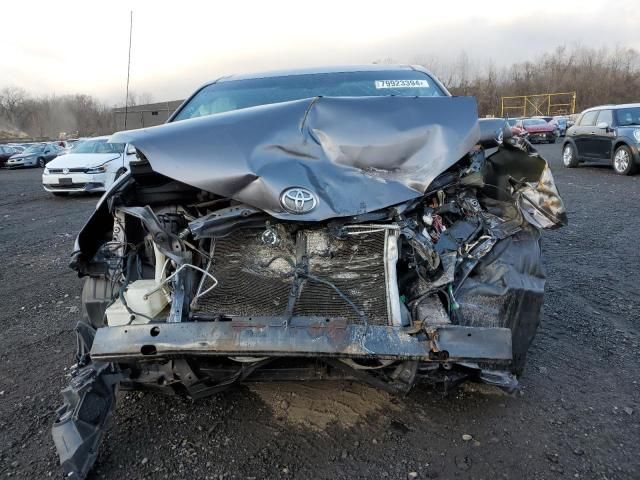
{"points": [[149, 115]]}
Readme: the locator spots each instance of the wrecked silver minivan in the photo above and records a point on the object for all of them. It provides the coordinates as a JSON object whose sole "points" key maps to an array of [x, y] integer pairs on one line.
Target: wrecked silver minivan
{"points": [[355, 223]]}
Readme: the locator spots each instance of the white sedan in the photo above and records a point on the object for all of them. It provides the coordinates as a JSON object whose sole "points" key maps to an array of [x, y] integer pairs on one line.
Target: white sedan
{"points": [[91, 166]]}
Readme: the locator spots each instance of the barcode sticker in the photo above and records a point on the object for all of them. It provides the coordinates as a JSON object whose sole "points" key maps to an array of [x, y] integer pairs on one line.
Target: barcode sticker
{"points": [[402, 84]]}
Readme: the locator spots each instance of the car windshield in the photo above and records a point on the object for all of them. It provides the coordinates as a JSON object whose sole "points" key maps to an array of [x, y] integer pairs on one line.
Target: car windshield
{"points": [[628, 116], [534, 121], [34, 149], [237, 94], [97, 146]]}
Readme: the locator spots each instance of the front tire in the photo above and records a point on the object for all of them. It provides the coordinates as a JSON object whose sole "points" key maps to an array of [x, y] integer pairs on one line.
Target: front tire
{"points": [[569, 157], [623, 161], [41, 162]]}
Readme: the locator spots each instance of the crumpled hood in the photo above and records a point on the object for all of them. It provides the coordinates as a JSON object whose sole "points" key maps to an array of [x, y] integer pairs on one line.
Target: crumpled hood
{"points": [[82, 160], [356, 154]]}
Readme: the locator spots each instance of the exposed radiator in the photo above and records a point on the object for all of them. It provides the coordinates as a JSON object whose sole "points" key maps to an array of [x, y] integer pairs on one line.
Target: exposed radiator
{"points": [[337, 277]]}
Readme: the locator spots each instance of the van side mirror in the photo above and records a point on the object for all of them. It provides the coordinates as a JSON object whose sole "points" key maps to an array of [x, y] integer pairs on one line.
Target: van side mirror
{"points": [[603, 125], [131, 150]]}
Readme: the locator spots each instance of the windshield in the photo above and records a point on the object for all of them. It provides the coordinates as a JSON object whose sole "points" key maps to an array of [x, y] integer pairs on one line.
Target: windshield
{"points": [[628, 116], [34, 149], [237, 94], [533, 121], [97, 146]]}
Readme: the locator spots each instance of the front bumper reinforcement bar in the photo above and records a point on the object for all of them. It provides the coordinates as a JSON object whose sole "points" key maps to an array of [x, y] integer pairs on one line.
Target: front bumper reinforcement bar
{"points": [[300, 337]]}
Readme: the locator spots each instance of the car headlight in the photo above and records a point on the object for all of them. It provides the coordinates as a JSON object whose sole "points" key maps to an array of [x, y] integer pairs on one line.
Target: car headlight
{"points": [[93, 170], [636, 134]]}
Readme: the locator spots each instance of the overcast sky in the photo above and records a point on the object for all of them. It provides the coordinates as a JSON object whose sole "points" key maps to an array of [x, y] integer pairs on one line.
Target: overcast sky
{"points": [[61, 46]]}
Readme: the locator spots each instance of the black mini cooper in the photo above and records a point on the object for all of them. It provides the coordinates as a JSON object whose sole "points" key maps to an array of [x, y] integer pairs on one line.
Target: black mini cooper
{"points": [[609, 133]]}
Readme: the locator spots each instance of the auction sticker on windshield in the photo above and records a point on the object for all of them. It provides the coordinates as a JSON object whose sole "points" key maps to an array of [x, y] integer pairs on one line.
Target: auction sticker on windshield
{"points": [[402, 84]]}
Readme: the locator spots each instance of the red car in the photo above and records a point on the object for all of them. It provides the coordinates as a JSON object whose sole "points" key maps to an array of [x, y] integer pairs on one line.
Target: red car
{"points": [[539, 131]]}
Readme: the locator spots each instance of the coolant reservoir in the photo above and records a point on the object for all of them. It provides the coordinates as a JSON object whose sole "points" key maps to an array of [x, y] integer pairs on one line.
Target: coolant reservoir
{"points": [[135, 294]]}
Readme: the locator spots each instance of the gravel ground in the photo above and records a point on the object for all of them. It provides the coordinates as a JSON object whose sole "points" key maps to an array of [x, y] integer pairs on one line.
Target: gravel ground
{"points": [[577, 415]]}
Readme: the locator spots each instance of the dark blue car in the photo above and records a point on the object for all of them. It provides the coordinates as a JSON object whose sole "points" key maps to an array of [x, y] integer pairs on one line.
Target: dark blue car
{"points": [[605, 134]]}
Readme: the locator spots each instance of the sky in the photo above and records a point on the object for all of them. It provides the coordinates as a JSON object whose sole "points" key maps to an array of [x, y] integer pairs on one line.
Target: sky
{"points": [[65, 46]]}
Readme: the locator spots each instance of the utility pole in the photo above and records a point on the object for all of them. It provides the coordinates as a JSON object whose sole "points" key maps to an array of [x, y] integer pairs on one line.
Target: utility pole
{"points": [[126, 100]]}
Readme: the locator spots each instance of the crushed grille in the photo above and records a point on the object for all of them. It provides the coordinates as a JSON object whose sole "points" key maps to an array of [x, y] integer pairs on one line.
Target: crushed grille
{"points": [[256, 279]]}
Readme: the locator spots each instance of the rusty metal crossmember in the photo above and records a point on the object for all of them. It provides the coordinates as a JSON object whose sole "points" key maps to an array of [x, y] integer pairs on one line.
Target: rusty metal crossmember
{"points": [[300, 337]]}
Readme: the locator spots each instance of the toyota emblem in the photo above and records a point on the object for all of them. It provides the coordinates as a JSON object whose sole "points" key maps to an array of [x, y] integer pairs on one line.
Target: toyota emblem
{"points": [[298, 200]]}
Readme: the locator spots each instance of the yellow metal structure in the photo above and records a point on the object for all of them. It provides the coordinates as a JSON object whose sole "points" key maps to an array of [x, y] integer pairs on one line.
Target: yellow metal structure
{"points": [[539, 104]]}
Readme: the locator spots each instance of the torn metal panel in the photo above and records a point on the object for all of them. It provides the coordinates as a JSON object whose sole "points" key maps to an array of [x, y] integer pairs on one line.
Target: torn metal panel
{"points": [[540, 202], [506, 289], [356, 155], [514, 172]]}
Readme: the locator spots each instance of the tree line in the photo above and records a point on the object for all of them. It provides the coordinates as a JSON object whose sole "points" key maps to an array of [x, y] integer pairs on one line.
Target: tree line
{"points": [[48, 116], [598, 76], [79, 115]]}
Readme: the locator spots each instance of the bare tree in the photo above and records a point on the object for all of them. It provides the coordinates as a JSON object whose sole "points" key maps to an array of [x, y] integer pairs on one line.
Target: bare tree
{"points": [[12, 100], [598, 76], [136, 98], [49, 116]]}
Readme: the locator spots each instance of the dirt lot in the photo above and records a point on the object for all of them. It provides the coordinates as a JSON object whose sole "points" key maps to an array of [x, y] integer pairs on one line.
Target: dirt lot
{"points": [[577, 415]]}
